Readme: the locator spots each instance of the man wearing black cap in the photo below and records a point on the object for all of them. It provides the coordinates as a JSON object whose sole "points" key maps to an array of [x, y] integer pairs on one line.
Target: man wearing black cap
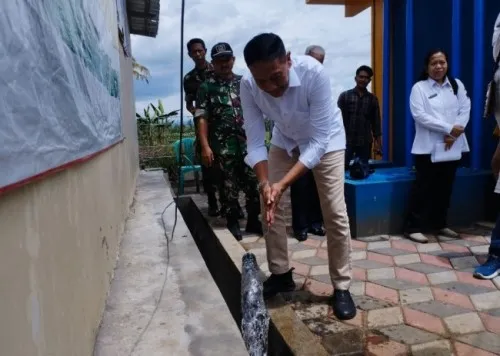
{"points": [[223, 142]]}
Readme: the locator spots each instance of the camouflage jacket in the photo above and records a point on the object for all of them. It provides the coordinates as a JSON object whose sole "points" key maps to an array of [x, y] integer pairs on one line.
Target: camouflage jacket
{"points": [[218, 101], [193, 80]]}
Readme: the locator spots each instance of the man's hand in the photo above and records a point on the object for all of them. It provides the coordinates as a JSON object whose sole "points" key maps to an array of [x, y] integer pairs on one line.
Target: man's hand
{"points": [[456, 131], [448, 141], [207, 156], [275, 192]]}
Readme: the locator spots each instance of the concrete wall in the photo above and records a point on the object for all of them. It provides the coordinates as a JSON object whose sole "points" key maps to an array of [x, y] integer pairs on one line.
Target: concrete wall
{"points": [[59, 240]]}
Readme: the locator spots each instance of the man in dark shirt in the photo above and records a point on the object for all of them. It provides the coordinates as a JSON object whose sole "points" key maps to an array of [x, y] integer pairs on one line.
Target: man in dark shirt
{"points": [[361, 114], [192, 80]]}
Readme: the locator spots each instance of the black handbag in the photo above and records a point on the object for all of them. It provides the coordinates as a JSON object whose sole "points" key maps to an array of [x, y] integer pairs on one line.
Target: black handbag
{"points": [[490, 104]]}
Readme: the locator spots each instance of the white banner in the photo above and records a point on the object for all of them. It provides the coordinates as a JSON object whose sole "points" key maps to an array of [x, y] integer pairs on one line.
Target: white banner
{"points": [[59, 84]]}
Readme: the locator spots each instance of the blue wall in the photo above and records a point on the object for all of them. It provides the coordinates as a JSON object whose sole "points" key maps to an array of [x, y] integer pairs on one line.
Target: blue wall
{"points": [[460, 27]]}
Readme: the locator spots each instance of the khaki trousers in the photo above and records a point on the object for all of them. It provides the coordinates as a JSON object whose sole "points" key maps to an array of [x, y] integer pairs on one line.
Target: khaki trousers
{"points": [[329, 176]]}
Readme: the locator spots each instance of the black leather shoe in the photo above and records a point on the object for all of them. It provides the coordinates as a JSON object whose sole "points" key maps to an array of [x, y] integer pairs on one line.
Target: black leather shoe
{"points": [[343, 305], [234, 229], [300, 235], [278, 283], [318, 231]]}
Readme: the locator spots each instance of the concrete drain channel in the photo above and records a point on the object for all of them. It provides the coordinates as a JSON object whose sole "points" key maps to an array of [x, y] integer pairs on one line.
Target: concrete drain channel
{"points": [[223, 270]]}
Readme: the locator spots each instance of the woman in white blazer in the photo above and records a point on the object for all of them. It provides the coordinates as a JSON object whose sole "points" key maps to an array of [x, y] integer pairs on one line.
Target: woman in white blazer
{"points": [[491, 268], [440, 107]]}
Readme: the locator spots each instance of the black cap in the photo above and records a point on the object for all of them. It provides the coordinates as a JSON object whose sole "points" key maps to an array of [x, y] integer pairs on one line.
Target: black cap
{"points": [[221, 49]]}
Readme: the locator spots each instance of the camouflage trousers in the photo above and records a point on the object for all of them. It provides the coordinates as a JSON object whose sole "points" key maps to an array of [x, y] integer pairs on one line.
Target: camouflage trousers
{"points": [[237, 176], [210, 179]]}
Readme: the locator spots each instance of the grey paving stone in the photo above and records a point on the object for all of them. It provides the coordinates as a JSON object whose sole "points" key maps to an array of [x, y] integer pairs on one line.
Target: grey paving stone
{"points": [[365, 302], [492, 312], [313, 261], [324, 278], [485, 340], [374, 238], [438, 309], [390, 251], [464, 262], [425, 268], [367, 264], [315, 237], [433, 348], [398, 284], [465, 243], [463, 288], [299, 247], [408, 335], [449, 254]]}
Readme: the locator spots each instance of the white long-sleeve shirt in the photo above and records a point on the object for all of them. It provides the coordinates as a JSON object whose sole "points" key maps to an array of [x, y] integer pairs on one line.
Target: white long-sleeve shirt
{"points": [[436, 109], [306, 116]]}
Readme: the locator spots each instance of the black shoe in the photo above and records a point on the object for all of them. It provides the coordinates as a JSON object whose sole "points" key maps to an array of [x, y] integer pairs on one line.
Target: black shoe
{"points": [[343, 305], [279, 283], [234, 227], [213, 209], [318, 231], [254, 226], [300, 235]]}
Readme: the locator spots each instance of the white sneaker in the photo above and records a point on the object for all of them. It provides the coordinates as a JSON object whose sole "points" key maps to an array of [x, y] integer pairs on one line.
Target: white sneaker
{"points": [[418, 237], [448, 233]]}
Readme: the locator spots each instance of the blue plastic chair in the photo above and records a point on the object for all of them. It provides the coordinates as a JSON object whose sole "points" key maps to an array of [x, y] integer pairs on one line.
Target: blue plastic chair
{"points": [[188, 161]]}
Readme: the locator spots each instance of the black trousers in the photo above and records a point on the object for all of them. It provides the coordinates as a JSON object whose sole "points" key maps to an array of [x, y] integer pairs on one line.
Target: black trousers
{"points": [[430, 195], [306, 209], [362, 152], [209, 183]]}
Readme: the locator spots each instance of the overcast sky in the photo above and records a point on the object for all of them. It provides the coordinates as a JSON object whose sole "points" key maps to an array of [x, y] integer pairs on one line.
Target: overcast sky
{"points": [[347, 41]]}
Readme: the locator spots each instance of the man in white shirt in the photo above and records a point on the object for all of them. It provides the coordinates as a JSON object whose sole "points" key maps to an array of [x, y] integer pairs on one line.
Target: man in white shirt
{"points": [[316, 52], [308, 134]]}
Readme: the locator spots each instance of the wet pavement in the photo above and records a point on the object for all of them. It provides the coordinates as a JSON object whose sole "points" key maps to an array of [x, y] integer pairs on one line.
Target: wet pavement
{"points": [[412, 299]]}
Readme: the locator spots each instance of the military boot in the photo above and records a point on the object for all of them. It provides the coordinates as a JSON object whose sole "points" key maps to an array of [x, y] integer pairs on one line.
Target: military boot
{"points": [[233, 225]]}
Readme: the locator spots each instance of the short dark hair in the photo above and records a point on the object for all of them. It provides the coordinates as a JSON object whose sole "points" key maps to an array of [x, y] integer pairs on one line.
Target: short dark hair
{"points": [[193, 41], [264, 47], [365, 69]]}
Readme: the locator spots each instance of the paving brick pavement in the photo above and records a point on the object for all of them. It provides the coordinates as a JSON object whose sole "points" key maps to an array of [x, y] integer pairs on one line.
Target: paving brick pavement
{"points": [[412, 299]]}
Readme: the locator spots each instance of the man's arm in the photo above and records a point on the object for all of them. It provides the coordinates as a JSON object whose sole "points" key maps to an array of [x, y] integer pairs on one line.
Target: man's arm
{"points": [[201, 118], [189, 96], [375, 117], [495, 41], [255, 130], [323, 113], [342, 106]]}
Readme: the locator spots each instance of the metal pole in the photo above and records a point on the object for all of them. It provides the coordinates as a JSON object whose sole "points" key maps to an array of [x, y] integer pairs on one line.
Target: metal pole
{"points": [[409, 52], [386, 90], [478, 85]]}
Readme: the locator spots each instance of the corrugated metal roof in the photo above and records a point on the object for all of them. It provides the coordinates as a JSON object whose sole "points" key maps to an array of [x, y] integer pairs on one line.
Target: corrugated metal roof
{"points": [[143, 17]]}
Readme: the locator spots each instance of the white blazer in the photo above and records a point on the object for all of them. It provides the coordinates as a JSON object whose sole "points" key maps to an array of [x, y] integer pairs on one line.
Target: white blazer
{"points": [[436, 109]]}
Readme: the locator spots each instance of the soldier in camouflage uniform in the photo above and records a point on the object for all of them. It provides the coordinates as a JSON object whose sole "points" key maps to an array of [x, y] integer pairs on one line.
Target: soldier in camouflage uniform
{"points": [[223, 140], [192, 81]]}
